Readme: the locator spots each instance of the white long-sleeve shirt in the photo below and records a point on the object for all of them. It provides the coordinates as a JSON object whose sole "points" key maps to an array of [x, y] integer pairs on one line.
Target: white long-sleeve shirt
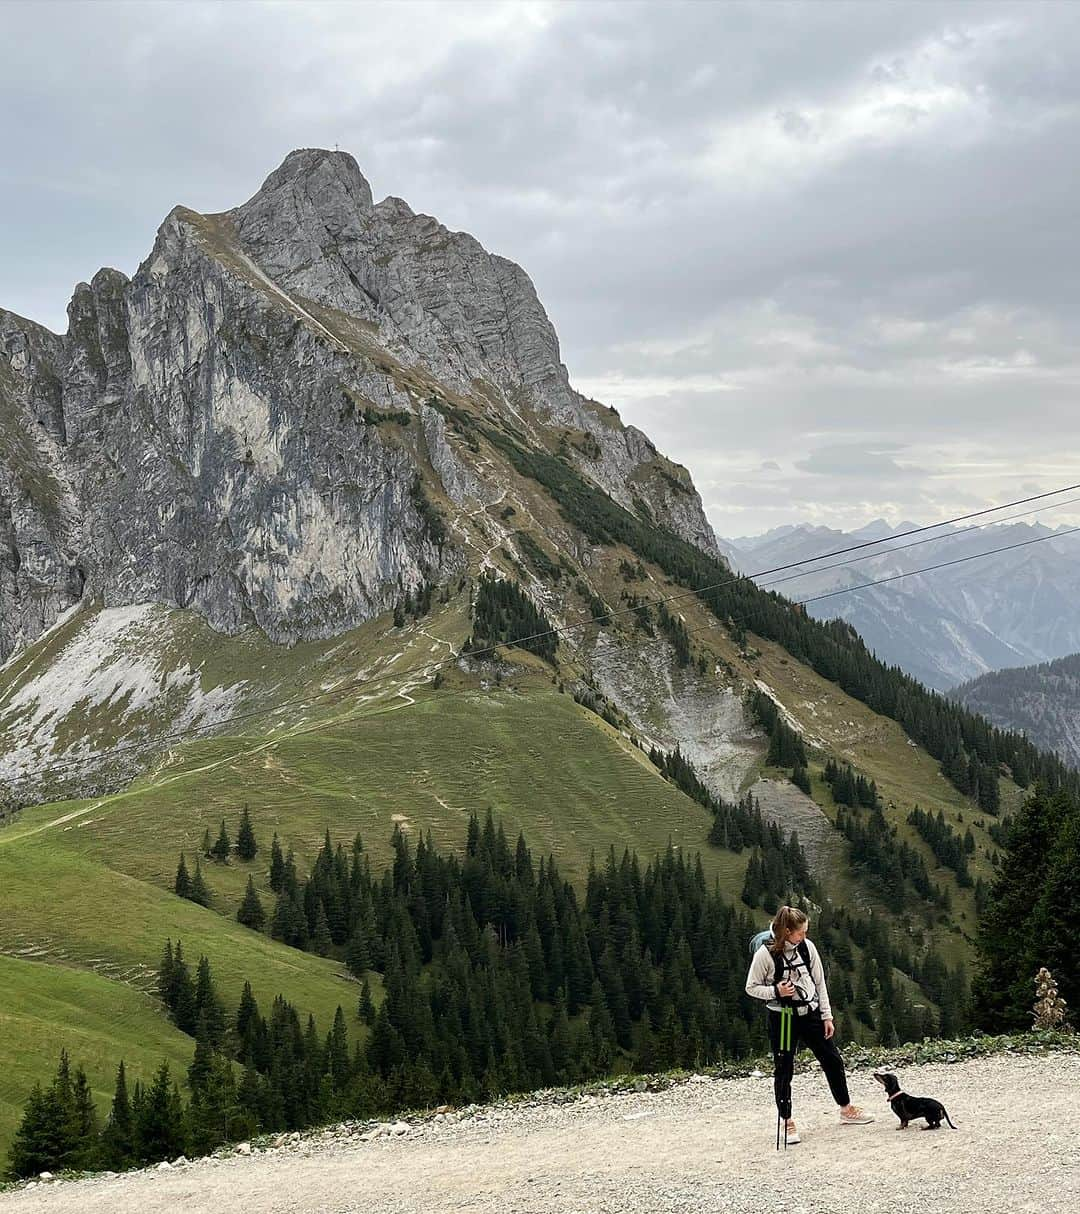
{"points": [[809, 985]]}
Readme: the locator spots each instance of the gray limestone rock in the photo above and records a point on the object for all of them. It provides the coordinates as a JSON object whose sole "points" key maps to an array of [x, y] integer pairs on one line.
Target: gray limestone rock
{"points": [[241, 427]]}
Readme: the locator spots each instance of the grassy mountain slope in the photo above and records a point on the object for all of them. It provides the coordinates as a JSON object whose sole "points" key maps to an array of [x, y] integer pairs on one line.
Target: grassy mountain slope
{"points": [[99, 1020]]}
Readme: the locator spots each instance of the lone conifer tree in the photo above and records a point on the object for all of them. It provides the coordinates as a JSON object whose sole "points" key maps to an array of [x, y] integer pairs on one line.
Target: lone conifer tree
{"points": [[199, 892], [251, 913], [182, 884], [207, 846], [222, 847], [246, 847]]}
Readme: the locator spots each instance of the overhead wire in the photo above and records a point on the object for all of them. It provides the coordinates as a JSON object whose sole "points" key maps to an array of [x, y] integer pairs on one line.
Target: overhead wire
{"points": [[960, 560], [933, 539]]}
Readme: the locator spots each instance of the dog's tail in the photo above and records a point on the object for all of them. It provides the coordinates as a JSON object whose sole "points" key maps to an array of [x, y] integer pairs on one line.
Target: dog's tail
{"points": [[947, 1118]]}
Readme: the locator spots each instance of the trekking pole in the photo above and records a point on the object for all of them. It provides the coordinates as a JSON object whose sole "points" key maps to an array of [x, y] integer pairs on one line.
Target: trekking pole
{"points": [[787, 1016]]}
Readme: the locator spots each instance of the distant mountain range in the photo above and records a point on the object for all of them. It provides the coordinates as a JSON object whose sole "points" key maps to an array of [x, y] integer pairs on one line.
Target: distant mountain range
{"points": [[1043, 701], [947, 626]]}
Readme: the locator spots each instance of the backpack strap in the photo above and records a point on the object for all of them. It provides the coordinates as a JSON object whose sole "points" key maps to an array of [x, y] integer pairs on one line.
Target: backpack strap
{"points": [[803, 950], [778, 960]]}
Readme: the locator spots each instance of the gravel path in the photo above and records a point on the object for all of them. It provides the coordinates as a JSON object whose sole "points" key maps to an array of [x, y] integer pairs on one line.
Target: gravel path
{"points": [[706, 1145]]}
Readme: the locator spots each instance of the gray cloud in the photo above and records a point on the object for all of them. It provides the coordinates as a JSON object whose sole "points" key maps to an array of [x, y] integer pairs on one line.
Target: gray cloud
{"points": [[819, 252], [857, 459]]}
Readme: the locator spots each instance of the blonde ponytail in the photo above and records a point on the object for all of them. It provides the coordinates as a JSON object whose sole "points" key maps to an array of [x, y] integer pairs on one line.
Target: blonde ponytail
{"points": [[787, 919]]}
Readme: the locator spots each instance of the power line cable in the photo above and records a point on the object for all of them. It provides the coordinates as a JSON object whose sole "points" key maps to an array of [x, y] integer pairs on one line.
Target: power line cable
{"points": [[972, 556], [933, 539], [900, 535]]}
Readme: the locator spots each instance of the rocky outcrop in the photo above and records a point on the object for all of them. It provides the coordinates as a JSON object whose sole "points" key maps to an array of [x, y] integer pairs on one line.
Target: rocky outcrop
{"points": [[40, 574], [241, 427]]}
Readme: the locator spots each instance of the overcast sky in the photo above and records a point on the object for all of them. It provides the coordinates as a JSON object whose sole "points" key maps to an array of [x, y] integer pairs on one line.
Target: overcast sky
{"points": [[823, 254]]}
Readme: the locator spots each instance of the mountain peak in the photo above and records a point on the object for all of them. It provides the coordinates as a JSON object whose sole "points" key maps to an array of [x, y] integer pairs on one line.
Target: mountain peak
{"points": [[323, 176]]}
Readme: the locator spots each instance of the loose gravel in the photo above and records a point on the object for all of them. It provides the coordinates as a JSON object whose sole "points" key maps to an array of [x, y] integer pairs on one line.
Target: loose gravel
{"points": [[703, 1145]]}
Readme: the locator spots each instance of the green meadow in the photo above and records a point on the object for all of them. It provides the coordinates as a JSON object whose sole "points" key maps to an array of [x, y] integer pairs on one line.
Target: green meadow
{"points": [[99, 1020]]}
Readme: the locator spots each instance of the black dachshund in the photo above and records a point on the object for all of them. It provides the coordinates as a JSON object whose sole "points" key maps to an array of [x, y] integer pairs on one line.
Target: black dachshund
{"points": [[908, 1108]]}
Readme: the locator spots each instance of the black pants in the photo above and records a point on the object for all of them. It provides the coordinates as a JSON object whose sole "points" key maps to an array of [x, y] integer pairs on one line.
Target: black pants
{"points": [[805, 1030]]}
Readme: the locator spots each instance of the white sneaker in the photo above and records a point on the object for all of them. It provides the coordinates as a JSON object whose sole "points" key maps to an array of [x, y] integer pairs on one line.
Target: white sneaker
{"points": [[856, 1117], [792, 1134]]}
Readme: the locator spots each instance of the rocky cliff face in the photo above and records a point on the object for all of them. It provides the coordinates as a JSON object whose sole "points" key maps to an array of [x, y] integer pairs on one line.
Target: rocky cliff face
{"points": [[40, 574], [246, 427]]}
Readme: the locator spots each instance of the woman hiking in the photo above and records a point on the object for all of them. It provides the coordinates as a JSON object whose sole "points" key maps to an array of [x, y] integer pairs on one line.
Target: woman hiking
{"points": [[786, 971]]}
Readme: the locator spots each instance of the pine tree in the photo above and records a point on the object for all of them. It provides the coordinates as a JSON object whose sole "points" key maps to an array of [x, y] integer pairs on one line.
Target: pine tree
{"points": [[249, 1097], [248, 1025], [366, 1008], [1056, 904], [277, 866], [34, 1148], [118, 1138], [320, 938], [222, 847], [1009, 951], [337, 1053], [199, 1067], [289, 881], [166, 977], [47, 1137], [559, 1040], [214, 1115], [246, 847], [208, 1005], [160, 1129], [357, 954], [251, 913], [182, 994], [85, 1152], [207, 846], [800, 777], [199, 891], [182, 884]]}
